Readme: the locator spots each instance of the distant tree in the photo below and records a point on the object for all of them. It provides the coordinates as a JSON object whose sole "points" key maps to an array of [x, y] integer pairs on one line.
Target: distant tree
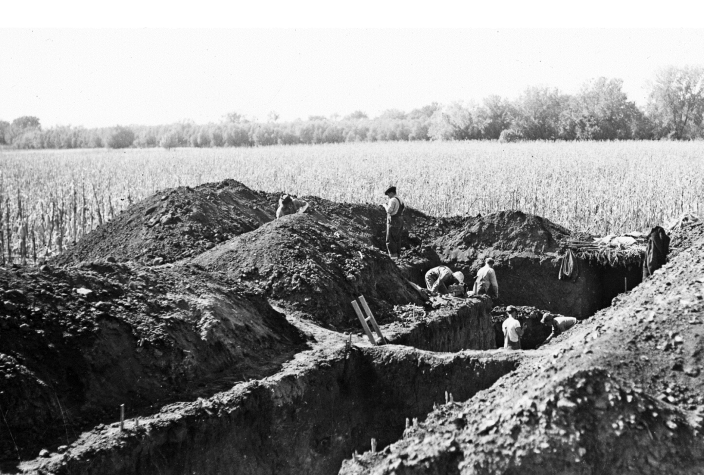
{"points": [[334, 116], [676, 101], [424, 112], [4, 132], [234, 118], [169, 140], [510, 135], [419, 130], [538, 113], [317, 117], [392, 114], [120, 137], [237, 136], [454, 121], [216, 137], [602, 111], [265, 134], [272, 116], [356, 115], [494, 116], [26, 122]]}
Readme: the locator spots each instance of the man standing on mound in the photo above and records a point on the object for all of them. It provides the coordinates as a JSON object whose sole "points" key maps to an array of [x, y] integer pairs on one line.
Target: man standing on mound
{"points": [[394, 222]]}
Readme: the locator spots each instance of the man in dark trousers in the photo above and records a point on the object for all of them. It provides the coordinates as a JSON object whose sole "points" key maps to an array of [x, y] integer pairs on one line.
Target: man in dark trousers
{"points": [[394, 222]]}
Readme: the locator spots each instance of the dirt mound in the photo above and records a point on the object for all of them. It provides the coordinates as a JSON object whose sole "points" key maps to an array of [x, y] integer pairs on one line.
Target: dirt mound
{"points": [[502, 234], [685, 234], [620, 393], [77, 343], [175, 224], [183, 222], [306, 265]]}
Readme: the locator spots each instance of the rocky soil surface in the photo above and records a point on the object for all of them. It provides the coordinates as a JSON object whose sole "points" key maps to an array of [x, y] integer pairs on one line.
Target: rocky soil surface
{"points": [[307, 265], [221, 331], [76, 343]]}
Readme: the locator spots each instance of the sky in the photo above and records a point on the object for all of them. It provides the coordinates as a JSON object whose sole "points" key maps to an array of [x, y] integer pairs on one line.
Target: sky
{"points": [[163, 70]]}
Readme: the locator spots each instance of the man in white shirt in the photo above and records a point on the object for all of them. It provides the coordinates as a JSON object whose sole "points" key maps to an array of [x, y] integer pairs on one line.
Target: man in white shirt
{"points": [[512, 330], [486, 280], [394, 222]]}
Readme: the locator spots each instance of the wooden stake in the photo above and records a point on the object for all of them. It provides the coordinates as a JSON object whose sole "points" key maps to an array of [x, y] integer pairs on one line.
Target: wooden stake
{"points": [[373, 446], [122, 417], [625, 284]]}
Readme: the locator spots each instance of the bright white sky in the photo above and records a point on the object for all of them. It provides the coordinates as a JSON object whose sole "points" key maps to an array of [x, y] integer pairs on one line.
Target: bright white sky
{"points": [[106, 76]]}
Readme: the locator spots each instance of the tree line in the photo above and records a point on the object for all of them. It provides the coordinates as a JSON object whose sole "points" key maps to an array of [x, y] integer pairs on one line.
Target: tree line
{"points": [[599, 111]]}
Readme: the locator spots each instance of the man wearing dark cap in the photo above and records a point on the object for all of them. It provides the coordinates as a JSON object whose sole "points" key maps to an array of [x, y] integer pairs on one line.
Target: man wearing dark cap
{"points": [[394, 222]]}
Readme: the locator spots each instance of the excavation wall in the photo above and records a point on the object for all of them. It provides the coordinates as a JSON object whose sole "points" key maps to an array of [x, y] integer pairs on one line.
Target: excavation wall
{"points": [[460, 324], [306, 419], [311, 415]]}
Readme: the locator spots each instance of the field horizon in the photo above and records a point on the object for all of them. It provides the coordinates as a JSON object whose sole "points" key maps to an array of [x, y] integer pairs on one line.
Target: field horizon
{"points": [[596, 187]]}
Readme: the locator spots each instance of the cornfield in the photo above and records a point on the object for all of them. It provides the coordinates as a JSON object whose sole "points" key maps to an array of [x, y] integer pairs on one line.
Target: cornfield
{"points": [[51, 198]]}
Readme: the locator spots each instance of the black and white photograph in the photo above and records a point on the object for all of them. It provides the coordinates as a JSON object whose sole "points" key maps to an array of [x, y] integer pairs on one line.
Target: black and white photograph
{"points": [[369, 238]]}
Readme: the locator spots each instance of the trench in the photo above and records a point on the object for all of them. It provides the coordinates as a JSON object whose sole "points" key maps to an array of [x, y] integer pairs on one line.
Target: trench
{"points": [[533, 282], [309, 417]]}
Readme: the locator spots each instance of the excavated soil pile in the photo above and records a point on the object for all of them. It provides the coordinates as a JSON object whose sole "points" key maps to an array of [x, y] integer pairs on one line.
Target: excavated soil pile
{"points": [[77, 343], [306, 265], [175, 224], [534, 332], [620, 393], [512, 231], [183, 222], [685, 234]]}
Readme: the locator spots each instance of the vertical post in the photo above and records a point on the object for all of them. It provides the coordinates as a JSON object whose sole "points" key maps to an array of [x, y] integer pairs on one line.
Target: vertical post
{"points": [[373, 446], [625, 284], [122, 417]]}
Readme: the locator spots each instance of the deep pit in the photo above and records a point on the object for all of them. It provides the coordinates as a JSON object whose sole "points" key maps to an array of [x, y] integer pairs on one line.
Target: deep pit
{"points": [[231, 354]]}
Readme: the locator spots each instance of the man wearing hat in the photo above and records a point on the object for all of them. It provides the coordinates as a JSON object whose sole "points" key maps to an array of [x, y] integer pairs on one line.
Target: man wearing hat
{"points": [[439, 278], [558, 324], [512, 329], [394, 222], [288, 205]]}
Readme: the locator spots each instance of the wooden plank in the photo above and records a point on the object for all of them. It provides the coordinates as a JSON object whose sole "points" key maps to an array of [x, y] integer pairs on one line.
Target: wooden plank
{"points": [[358, 311], [363, 301]]}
